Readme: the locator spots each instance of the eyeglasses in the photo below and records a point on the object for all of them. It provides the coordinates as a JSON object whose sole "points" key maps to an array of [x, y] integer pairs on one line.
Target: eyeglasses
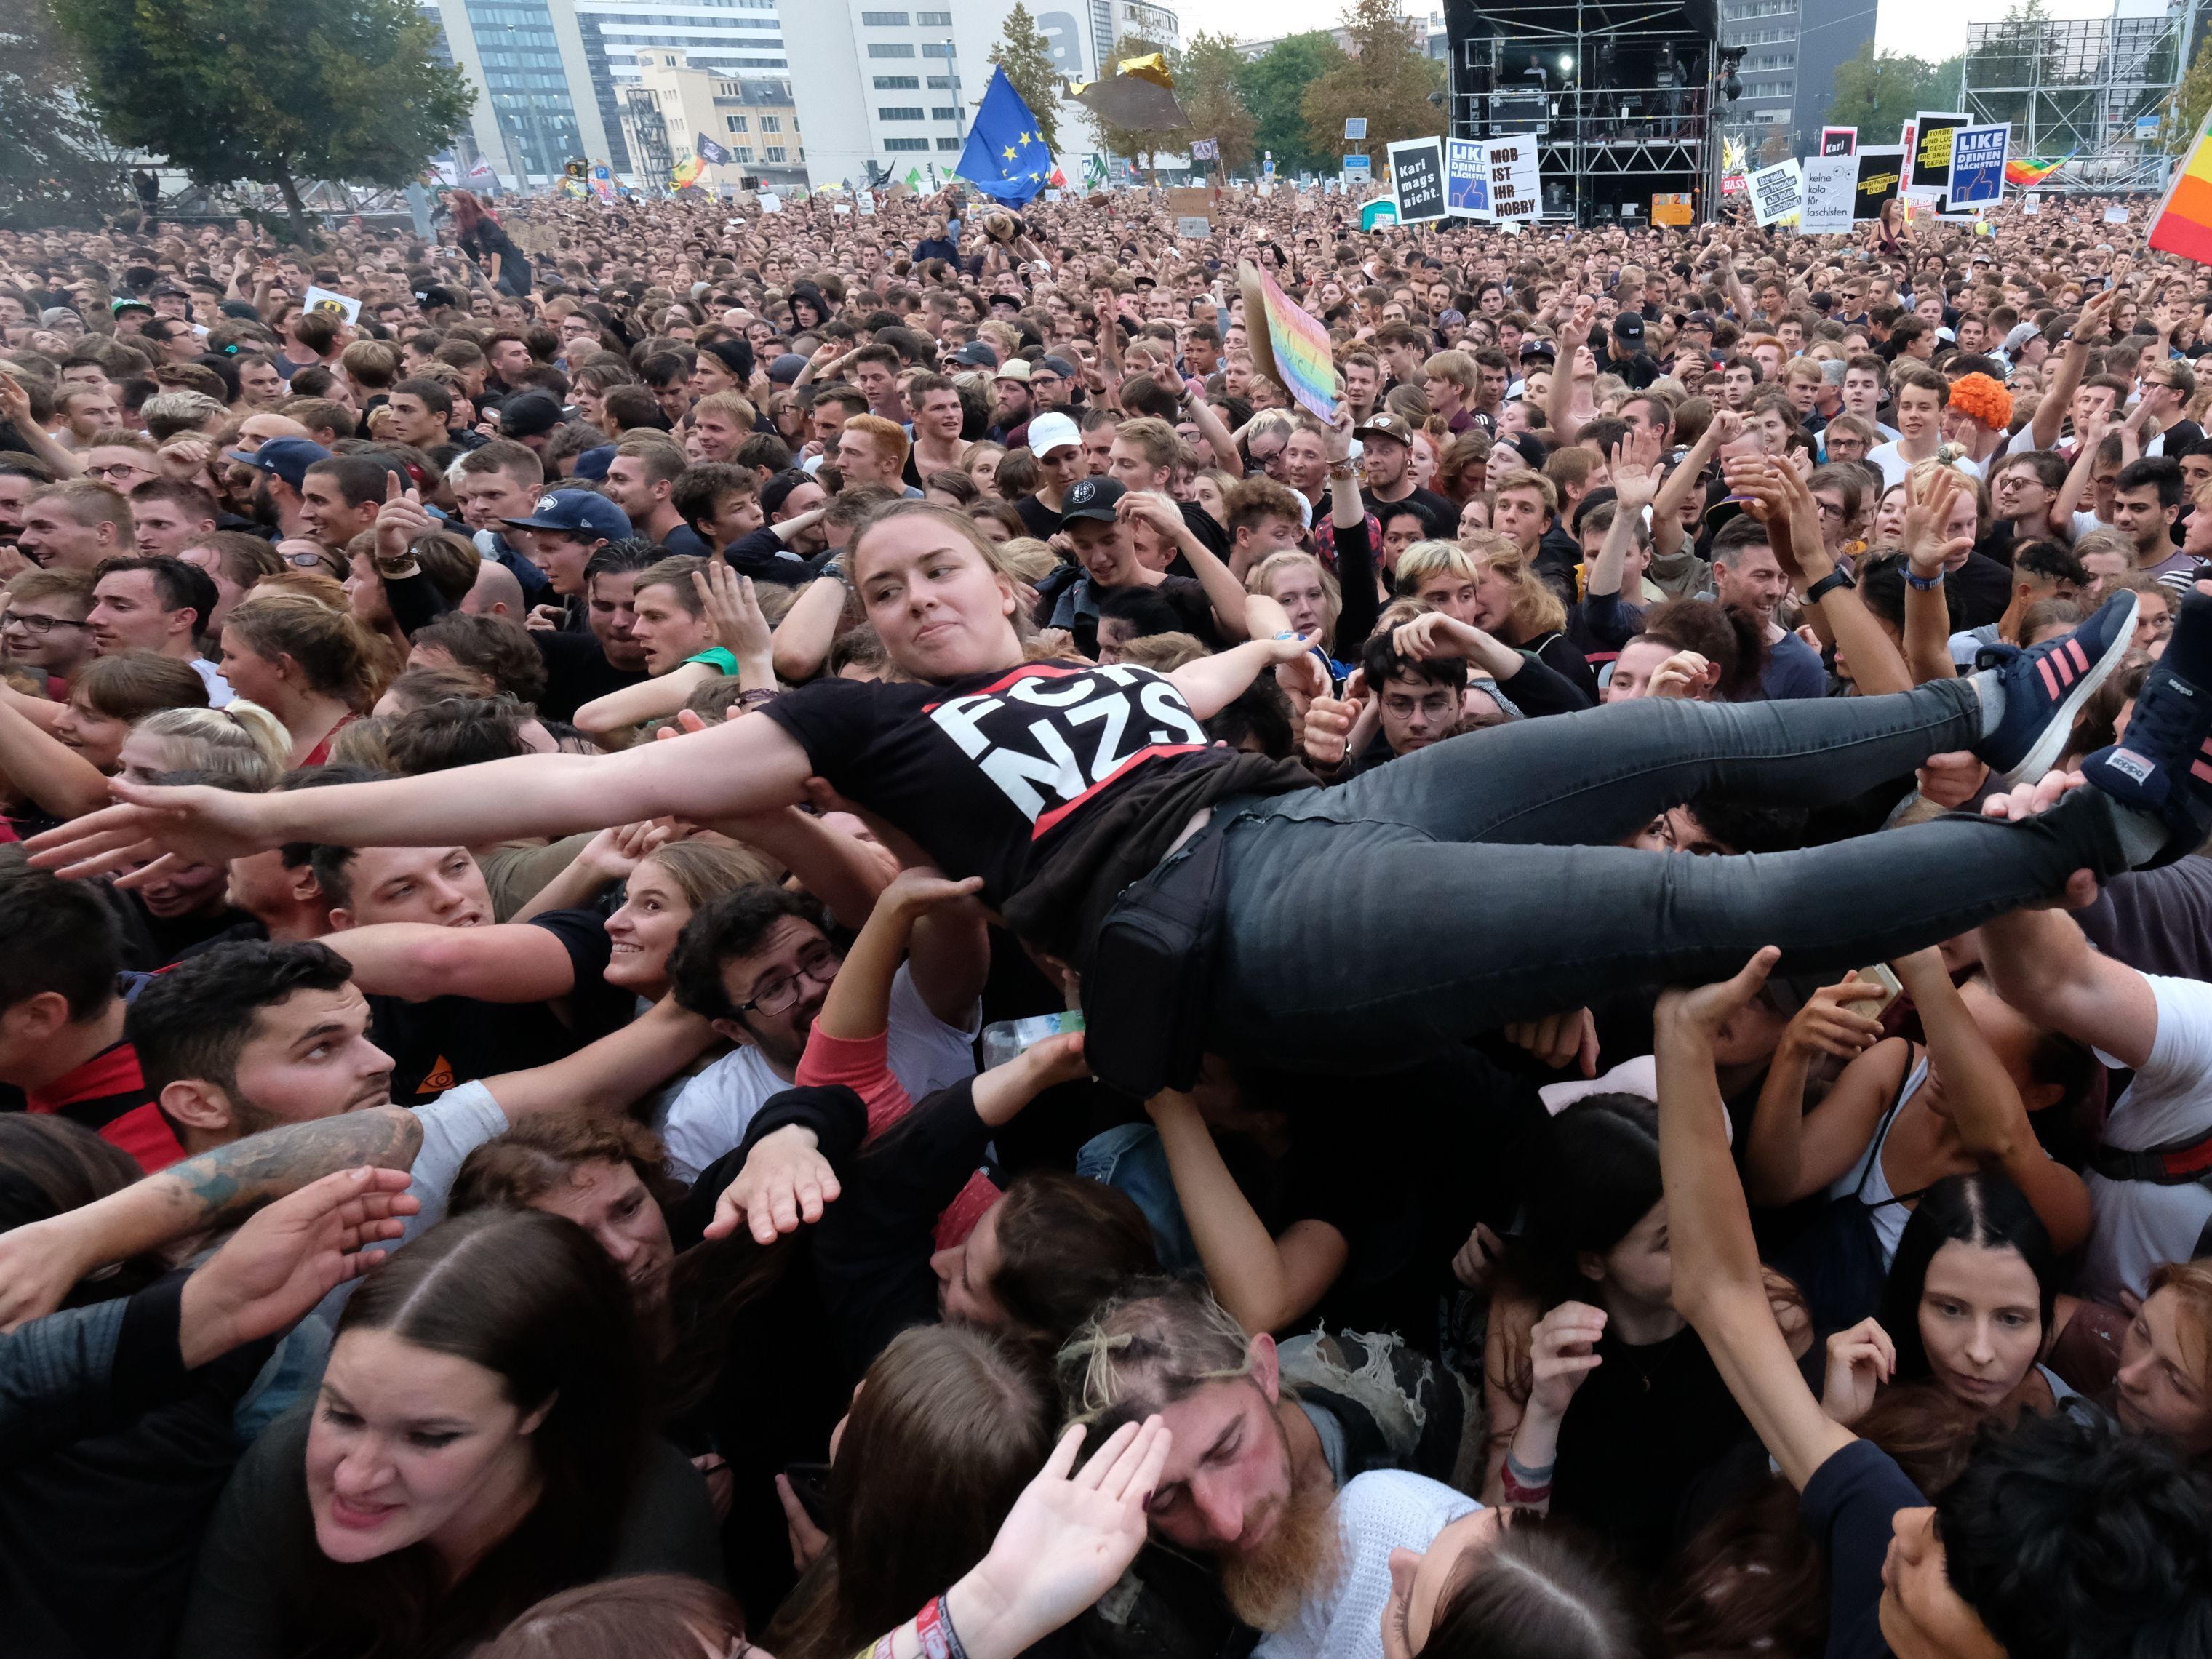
{"points": [[304, 560], [781, 996], [32, 622], [119, 469]]}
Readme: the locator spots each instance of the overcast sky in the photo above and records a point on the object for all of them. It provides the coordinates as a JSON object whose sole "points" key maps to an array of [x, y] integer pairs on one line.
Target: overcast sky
{"points": [[1914, 26]]}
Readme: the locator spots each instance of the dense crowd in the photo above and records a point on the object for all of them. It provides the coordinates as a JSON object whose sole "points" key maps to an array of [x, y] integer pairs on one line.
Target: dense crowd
{"points": [[811, 929]]}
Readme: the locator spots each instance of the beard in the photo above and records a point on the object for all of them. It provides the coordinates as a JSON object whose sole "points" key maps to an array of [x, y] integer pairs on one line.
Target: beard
{"points": [[1303, 1556]]}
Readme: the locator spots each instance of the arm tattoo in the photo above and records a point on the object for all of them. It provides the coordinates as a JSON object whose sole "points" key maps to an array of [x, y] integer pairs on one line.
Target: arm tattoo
{"points": [[225, 1186]]}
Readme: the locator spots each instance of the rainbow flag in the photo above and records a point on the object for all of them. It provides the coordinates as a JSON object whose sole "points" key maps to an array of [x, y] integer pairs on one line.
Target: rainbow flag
{"points": [[2026, 173], [686, 172], [2183, 223], [1296, 347]]}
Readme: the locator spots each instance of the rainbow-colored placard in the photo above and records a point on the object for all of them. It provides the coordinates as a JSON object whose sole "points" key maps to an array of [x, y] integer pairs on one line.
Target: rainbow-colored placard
{"points": [[1294, 350], [2183, 221]]}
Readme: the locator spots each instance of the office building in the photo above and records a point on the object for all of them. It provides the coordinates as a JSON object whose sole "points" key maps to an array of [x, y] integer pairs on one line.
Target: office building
{"points": [[736, 40], [1792, 49], [672, 101], [534, 111], [896, 88]]}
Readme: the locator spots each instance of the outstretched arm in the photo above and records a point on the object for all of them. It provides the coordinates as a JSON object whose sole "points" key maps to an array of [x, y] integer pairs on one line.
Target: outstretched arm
{"points": [[39, 1262], [1718, 1287], [744, 766], [2041, 965]]}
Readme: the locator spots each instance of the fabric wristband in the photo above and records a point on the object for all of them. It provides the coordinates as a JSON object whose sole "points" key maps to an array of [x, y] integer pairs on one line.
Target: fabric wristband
{"points": [[1923, 583]]}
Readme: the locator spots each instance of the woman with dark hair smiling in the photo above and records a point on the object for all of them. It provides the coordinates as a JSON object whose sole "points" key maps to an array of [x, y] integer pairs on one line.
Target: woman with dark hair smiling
{"points": [[479, 1442]]}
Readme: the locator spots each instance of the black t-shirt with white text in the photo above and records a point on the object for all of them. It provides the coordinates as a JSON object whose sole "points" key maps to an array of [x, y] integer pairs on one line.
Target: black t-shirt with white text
{"points": [[993, 773]]}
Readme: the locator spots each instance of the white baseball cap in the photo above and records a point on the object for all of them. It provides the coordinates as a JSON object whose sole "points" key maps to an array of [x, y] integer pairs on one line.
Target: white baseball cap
{"points": [[1050, 432]]}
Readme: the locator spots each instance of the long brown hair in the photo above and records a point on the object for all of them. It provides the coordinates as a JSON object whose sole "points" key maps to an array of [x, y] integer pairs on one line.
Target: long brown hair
{"points": [[949, 1426], [533, 1299], [132, 684], [340, 658]]}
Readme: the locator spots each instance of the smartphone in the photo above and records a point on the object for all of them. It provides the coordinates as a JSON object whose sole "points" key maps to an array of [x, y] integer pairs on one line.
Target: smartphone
{"points": [[810, 1484], [1892, 988]]}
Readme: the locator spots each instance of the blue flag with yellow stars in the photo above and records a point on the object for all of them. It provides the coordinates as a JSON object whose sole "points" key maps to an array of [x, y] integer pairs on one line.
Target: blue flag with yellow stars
{"points": [[1006, 155]]}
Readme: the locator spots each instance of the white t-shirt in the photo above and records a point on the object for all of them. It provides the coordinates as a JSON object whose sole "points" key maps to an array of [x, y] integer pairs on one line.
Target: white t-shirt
{"points": [[1383, 1510], [709, 1116], [218, 688], [1891, 458], [2139, 1225]]}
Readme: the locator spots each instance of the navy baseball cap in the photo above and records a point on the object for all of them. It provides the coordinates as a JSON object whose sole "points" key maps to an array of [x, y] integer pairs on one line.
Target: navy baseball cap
{"points": [[288, 458], [593, 462], [1091, 498], [576, 513]]}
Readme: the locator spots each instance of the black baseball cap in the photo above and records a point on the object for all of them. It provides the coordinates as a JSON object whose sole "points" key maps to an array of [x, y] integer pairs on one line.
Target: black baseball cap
{"points": [[1629, 328], [1091, 498]]}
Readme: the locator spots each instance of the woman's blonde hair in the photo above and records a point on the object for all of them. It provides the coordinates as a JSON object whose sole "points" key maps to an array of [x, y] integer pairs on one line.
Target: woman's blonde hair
{"points": [[961, 525], [1434, 558], [703, 870], [244, 741], [340, 657], [1536, 609], [1260, 578]]}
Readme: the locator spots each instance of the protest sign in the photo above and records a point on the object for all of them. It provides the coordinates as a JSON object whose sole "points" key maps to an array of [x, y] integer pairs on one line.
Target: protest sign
{"points": [[344, 306], [1776, 192], [1417, 170], [1978, 166], [1881, 176], [1831, 182], [1516, 187], [1839, 140], [1467, 179], [1929, 173], [1672, 208], [1293, 350]]}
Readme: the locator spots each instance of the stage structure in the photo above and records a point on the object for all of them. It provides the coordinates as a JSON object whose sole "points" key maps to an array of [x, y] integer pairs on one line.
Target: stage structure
{"points": [[1620, 94], [2095, 88]]}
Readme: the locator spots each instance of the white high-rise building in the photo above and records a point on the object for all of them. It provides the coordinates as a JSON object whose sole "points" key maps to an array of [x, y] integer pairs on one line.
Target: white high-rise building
{"points": [[898, 87]]}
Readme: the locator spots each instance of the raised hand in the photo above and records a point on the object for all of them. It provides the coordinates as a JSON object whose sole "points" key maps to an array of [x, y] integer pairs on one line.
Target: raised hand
{"points": [[400, 519], [1826, 1025], [290, 1256], [1067, 1540], [1930, 497], [1636, 472], [733, 612], [1431, 635], [1679, 676], [1329, 721], [1702, 1010], [1860, 1360], [1564, 1354], [785, 1181]]}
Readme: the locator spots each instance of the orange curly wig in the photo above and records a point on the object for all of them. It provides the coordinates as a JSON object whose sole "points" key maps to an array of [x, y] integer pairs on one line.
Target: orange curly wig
{"points": [[1980, 396]]}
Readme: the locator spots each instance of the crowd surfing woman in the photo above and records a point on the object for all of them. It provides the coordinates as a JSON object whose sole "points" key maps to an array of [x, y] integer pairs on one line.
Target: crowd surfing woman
{"points": [[1061, 784]]}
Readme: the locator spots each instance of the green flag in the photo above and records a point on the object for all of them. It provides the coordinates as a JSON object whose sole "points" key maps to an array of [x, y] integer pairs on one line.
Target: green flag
{"points": [[914, 178]]}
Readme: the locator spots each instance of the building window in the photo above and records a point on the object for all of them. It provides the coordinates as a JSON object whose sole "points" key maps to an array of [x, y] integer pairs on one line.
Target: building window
{"points": [[899, 112], [771, 124], [934, 20], [773, 153], [740, 123], [906, 143], [878, 49], [944, 84], [948, 144], [884, 20], [899, 83], [937, 49], [742, 152], [945, 113]]}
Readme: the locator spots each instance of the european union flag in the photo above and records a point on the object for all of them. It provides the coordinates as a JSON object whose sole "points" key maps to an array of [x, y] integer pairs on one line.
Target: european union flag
{"points": [[1006, 155]]}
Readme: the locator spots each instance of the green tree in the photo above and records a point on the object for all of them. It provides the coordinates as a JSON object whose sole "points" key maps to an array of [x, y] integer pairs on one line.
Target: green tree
{"points": [[2191, 105], [1387, 78], [53, 158], [1879, 92], [1273, 86], [1023, 53], [1128, 143], [1207, 81], [271, 91]]}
